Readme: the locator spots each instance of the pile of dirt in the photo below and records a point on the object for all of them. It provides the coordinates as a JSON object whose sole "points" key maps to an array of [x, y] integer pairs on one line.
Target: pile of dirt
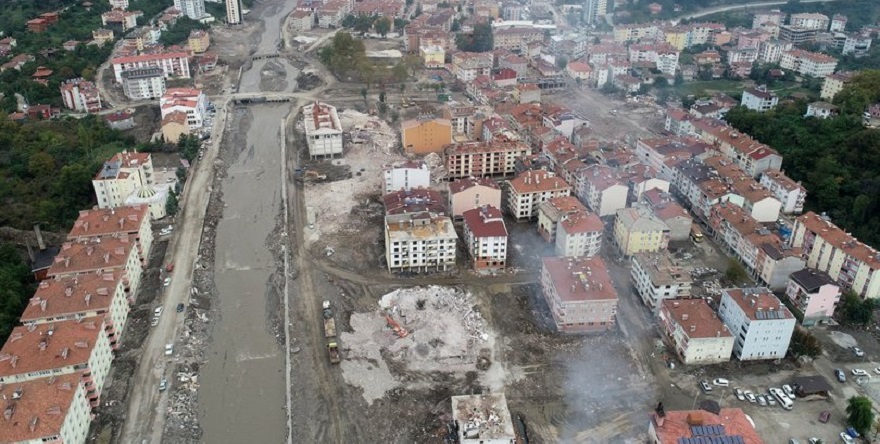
{"points": [[308, 81], [273, 76]]}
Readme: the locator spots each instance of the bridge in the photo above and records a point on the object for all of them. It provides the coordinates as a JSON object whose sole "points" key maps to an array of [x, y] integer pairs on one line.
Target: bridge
{"points": [[265, 56], [252, 98]]}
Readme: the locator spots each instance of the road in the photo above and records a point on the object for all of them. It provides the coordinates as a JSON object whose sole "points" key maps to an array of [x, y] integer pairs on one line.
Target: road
{"points": [[144, 419], [718, 9]]}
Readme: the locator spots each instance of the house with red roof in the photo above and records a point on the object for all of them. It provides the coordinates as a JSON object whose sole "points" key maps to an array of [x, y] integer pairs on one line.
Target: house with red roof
{"points": [[485, 236]]}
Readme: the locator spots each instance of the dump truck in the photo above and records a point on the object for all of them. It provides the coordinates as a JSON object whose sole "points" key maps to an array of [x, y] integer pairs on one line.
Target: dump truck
{"points": [[330, 332]]}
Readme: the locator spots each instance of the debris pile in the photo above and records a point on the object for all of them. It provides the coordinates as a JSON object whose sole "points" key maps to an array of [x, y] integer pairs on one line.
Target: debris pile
{"points": [[368, 130], [436, 167]]}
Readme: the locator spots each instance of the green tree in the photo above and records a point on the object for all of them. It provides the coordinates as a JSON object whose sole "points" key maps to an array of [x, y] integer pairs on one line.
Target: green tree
{"points": [[855, 310], [480, 40], [364, 95], [735, 273], [382, 25], [181, 174], [400, 72], [172, 205], [561, 62], [661, 82], [803, 343], [16, 286], [860, 414]]}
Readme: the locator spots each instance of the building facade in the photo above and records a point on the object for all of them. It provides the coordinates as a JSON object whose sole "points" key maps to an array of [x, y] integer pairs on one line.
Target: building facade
{"points": [[173, 64], [485, 237], [656, 279], [405, 176], [471, 192], [637, 230], [695, 331], [323, 130], [423, 136], [233, 12], [49, 409], [791, 194], [762, 326], [143, 83], [190, 101], [81, 95], [420, 241], [530, 189], [814, 293], [580, 293], [478, 159]]}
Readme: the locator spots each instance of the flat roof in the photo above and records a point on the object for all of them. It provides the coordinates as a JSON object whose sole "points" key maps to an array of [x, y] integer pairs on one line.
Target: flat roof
{"points": [[580, 279], [696, 318], [759, 303]]}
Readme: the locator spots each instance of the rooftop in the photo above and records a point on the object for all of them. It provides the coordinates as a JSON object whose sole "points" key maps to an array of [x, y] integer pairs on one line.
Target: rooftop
{"points": [[419, 226], [782, 180], [37, 409], [50, 346], [580, 279], [536, 181], [100, 253], [811, 279], [320, 117], [67, 296], [702, 427], [758, 303], [556, 207], [661, 270], [413, 201], [640, 219], [100, 222], [457, 186], [581, 222], [483, 417], [696, 318], [840, 239], [485, 221]]}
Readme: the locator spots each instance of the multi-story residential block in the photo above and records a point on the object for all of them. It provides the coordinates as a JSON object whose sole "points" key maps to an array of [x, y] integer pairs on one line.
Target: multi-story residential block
{"points": [[433, 56], [770, 51], [838, 23], [173, 64], [125, 175], [485, 237], [808, 63], [190, 101], [479, 159], [669, 427], [415, 200], [323, 130], [637, 230], [199, 40], [670, 212], [756, 199], [419, 242], [791, 194], [472, 192], [467, 66], [656, 278], [759, 99], [795, 35], [233, 12], [133, 220], [752, 156], [551, 212], [103, 254], [81, 95], [834, 83], [635, 32], [761, 324], [601, 189], [662, 154], [422, 136], [194, 9], [530, 189], [405, 175], [826, 247], [857, 44], [814, 293], [119, 20], [72, 347], [48, 409], [579, 292], [174, 126], [809, 20], [119, 4], [594, 10], [143, 83], [821, 110], [695, 331], [776, 262], [579, 234], [664, 56], [516, 39]]}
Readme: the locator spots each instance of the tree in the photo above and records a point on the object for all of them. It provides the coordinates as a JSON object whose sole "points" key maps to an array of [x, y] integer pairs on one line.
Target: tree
{"points": [[364, 95], [561, 62], [399, 24], [382, 97], [735, 273], [456, 25], [172, 205], [382, 25], [860, 413], [480, 40], [661, 82], [181, 174], [400, 72], [803, 343], [855, 310]]}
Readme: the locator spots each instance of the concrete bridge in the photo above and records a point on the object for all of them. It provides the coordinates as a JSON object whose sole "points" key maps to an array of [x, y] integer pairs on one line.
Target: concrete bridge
{"points": [[265, 56]]}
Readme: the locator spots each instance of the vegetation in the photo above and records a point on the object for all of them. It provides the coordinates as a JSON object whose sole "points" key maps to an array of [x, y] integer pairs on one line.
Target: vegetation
{"points": [[855, 310], [860, 414], [179, 33], [150, 8], [735, 273], [16, 287], [836, 159], [344, 54], [803, 343], [480, 40], [188, 146], [172, 205]]}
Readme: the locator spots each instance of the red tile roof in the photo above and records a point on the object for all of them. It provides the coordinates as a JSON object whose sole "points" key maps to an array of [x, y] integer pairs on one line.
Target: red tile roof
{"points": [[33, 349], [40, 408], [678, 424], [100, 222], [582, 222], [102, 253], [579, 279], [535, 181], [836, 236], [486, 221], [71, 295], [696, 317], [460, 185]]}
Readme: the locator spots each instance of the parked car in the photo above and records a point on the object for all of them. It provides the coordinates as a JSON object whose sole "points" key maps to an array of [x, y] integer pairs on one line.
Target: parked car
{"points": [[852, 432], [793, 441], [169, 349], [877, 370], [705, 386], [762, 401], [859, 372], [846, 438], [158, 311], [815, 440], [751, 397], [166, 282], [841, 376], [788, 391], [770, 399], [825, 416], [858, 352], [739, 394], [721, 382], [163, 384], [154, 322], [180, 307]]}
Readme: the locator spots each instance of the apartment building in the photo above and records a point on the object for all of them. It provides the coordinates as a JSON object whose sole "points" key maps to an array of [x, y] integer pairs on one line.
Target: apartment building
{"points": [[81, 95], [814, 293], [119, 20], [122, 175], [670, 212], [530, 189], [516, 39], [480, 159], [49, 409], [759, 99], [770, 51], [81, 296], [663, 153], [795, 35], [756, 199], [761, 324], [657, 278], [485, 237], [663, 55], [579, 234], [199, 40], [838, 23], [834, 83], [131, 220], [173, 64], [57, 349], [100, 255], [323, 130], [233, 12], [473, 192], [552, 211], [425, 135], [808, 63], [752, 156], [467, 66], [420, 241], [635, 32], [433, 56], [579, 292], [143, 83], [637, 230], [601, 189], [809, 20], [791, 194], [190, 101], [415, 200], [774, 17], [405, 175], [194, 9], [826, 247], [695, 331]]}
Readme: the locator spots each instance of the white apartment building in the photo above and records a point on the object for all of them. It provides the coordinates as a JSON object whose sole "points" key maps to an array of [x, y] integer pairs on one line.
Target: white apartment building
{"points": [[173, 64], [194, 9], [760, 324], [72, 346], [406, 175], [51, 409], [808, 63], [826, 247], [594, 10], [485, 236], [323, 130], [119, 4], [233, 12], [419, 241], [663, 55], [81, 95], [579, 234], [759, 99], [770, 51], [838, 23], [191, 101], [792, 194], [551, 212], [103, 254], [601, 189], [467, 66], [809, 20], [580, 293], [530, 189], [122, 175], [697, 334], [833, 84], [656, 278], [143, 83]]}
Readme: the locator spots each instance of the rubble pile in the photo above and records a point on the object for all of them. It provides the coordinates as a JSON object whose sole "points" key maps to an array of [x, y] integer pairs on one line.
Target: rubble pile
{"points": [[369, 130], [437, 167]]}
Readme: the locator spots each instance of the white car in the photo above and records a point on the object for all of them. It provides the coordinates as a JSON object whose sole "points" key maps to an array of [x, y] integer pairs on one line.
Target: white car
{"points": [[859, 372], [166, 282], [169, 349], [788, 391], [751, 397], [721, 382], [846, 438], [163, 384], [158, 311], [877, 370], [154, 322], [858, 352]]}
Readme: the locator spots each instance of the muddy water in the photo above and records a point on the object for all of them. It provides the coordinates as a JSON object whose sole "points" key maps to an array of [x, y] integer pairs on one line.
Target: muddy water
{"points": [[272, 14], [242, 385]]}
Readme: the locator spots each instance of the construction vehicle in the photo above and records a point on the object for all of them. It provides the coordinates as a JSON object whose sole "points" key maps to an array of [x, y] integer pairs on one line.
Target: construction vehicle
{"points": [[398, 329], [330, 333]]}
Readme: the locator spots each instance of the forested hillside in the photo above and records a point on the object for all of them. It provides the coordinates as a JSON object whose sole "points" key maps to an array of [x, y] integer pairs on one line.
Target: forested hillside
{"points": [[838, 159]]}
